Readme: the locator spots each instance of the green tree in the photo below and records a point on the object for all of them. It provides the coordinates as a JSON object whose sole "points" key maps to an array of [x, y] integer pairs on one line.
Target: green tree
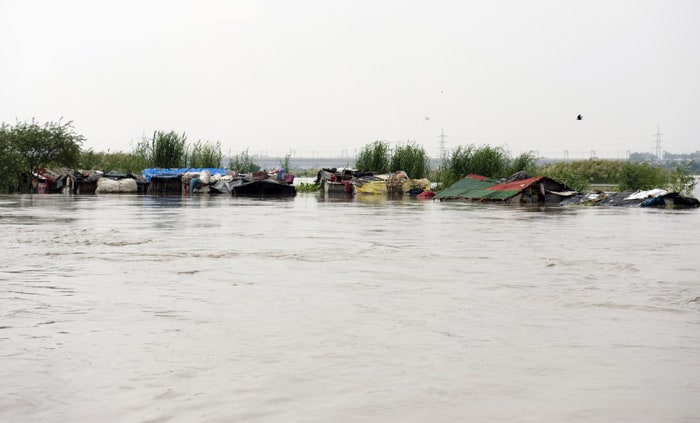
{"points": [[641, 176], [681, 181], [641, 157], [11, 167], [374, 157], [31, 146], [566, 173], [525, 161], [412, 159]]}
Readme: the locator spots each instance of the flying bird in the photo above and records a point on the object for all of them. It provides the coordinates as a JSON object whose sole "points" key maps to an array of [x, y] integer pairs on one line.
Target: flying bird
{"points": [[579, 117]]}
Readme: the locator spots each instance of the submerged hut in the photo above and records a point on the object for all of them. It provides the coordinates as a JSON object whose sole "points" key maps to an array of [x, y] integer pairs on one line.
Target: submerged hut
{"points": [[114, 182], [519, 189], [175, 181], [163, 181], [657, 198], [391, 183], [50, 181]]}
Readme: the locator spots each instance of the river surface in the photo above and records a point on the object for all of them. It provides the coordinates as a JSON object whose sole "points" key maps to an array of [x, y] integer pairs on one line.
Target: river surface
{"points": [[130, 308]]}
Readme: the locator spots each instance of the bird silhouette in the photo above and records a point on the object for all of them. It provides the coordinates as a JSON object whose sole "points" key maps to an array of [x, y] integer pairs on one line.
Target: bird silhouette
{"points": [[579, 117]]}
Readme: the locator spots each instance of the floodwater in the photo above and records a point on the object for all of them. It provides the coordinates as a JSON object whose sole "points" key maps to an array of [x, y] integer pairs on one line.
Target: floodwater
{"points": [[129, 308]]}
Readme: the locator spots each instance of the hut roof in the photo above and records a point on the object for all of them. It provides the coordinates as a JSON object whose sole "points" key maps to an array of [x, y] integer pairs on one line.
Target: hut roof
{"points": [[475, 187]]}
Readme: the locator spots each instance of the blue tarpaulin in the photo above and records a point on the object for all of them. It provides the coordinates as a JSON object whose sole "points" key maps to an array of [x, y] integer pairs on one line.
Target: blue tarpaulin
{"points": [[177, 172]]}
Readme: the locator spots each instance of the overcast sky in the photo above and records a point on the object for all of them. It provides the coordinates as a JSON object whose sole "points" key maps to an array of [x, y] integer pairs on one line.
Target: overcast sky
{"points": [[326, 77]]}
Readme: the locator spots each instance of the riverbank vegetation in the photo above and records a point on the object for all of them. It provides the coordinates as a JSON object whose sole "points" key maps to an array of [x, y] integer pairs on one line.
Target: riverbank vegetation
{"points": [[492, 162], [28, 146], [624, 175], [243, 163], [164, 150], [374, 157]]}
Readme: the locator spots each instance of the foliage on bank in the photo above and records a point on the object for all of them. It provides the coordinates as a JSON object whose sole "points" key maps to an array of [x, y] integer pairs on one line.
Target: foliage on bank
{"points": [[492, 162], [243, 163], [307, 187], [205, 154], [119, 161], [164, 150], [378, 157], [412, 159], [28, 146], [374, 157], [627, 176]]}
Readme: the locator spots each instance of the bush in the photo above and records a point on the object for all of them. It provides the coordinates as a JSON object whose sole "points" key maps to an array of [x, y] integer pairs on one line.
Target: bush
{"points": [[455, 166], [205, 154], [412, 159], [165, 150], [307, 187], [243, 163], [374, 158], [11, 166], [492, 162], [566, 173], [641, 176], [28, 146], [120, 162], [681, 181], [526, 161], [169, 150]]}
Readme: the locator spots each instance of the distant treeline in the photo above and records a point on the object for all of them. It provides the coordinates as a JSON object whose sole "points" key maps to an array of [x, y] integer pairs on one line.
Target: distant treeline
{"points": [[669, 160], [27, 146]]}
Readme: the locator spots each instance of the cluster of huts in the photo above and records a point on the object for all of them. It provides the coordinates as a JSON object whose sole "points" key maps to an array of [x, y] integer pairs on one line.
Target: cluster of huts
{"points": [[179, 181], [349, 181], [520, 188]]}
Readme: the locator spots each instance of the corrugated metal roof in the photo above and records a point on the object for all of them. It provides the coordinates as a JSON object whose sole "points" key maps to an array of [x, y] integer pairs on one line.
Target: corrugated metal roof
{"points": [[464, 187], [516, 185], [475, 187]]}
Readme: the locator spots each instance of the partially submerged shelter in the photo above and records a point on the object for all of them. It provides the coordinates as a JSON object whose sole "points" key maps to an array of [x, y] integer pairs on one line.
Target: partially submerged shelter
{"points": [[659, 198], [45, 181], [170, 181], [520, 189]]}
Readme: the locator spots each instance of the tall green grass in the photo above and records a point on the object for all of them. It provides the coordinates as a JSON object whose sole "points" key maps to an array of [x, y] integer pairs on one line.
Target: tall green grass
{"points": [[243, 163], [492, 162], [120, 162], [374, 157], [205, 154], [412, 159], [168, 150]]}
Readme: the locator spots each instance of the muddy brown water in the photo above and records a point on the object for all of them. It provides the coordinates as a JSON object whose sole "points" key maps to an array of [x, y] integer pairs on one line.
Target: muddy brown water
{"points": [[132, 308]]}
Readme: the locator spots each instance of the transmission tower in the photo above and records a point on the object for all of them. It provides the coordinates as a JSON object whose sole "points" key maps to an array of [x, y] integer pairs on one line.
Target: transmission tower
{"points": [[442, 141], [658, 143]]}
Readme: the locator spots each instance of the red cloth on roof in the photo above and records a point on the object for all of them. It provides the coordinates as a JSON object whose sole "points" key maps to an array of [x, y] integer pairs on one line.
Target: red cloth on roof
{"points": [[515, 185], [477, 177]]}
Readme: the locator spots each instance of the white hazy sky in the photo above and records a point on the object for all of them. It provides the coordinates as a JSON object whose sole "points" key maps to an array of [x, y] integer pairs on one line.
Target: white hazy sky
{"points": [[322, 77]]}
